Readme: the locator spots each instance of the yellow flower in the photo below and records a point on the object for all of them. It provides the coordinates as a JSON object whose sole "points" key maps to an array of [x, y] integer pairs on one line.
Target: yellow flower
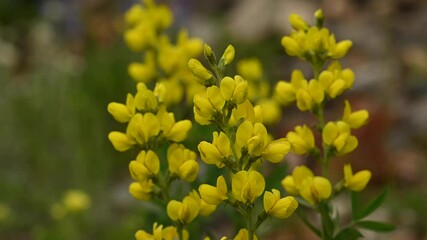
{"points": [[214, 195], [338, 135], [142, 190], [301, 139], [228, 55], [185, 211], [271, 112], [235, 90], [358, 181], [206, 209], [252, 136], [247, 186], [215, 152], [316, 189], [297, 22], [243, 235], [146, 165], [340, 49], [276, 150], [76, 201], [279, 207], [285, 92], [215, 98], [200, 72], [145, 99], [141, 72], [182, 162], [289, 185], [121, 141], [122, 113], [354, 119], [245, 111]]}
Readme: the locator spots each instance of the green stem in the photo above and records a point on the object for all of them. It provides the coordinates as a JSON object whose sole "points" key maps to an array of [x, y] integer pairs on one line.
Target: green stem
{"points": [[251, 230], [261, 218], [164, 186], [180, 231], [327, 224]]}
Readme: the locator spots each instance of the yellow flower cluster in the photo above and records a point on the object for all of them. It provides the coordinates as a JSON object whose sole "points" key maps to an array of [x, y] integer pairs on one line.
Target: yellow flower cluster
{"points": [[146, 23], [160, 233], [313, 43]]}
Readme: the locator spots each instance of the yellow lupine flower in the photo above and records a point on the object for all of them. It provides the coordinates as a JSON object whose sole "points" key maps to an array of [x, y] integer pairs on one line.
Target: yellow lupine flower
{"points": [[145, 99], [146, 165], [253, 136], [301, 139], [338, 134], [215, 98], [182, 162], [142, 190], [316, 189], [276, 150], [340, 49], [200, 72], [285, 92], [245, 111], [235, 90], [143, 127], [214, 195], [215, 152], [228, 55], [247, 186], [243, 235], [174, 131], [289, 185], [279, 207], [310, 95], [354, 119], [297, 22], [122, 113], [358, 181], [185, 211], [121, 141], [206, 209]]}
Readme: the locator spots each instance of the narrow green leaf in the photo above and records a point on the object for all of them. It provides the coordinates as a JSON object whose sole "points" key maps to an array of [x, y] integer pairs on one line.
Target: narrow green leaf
{"points": [[327, 223], [355, 204], [372, 206], [376, 226], [348, 234]]}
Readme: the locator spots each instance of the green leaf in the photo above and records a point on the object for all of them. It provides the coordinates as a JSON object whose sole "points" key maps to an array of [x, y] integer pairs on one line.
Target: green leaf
{"points": [[372, 206], [355, 204], [348, 234], [327, 223], [376, 226]]}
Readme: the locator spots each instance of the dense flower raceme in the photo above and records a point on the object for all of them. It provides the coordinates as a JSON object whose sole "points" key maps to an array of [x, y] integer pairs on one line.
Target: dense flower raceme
{"points": [[146, 23]]}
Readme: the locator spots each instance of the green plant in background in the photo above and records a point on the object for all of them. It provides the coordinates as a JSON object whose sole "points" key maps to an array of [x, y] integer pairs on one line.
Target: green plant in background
{"points": [[164, 168]]}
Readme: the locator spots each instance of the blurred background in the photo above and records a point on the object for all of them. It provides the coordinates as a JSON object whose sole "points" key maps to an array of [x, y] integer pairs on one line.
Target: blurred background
{"points": [[63, 61]]}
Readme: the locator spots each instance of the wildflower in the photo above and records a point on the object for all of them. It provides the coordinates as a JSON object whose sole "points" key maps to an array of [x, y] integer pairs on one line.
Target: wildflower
{"points": [[185, 211], [214, 195], [354, 119], [301, 139], [142, 190], [146, 165], [303, 182], [217, 151], [145, 99], [338, 135], [279, 207], [235, 90], [250, 69], [228, 55], [297, 22], [247, 186], [172, 130], [358, 181], [335, 80], [121, 141], [142, 128], [160, 233], [206, 209], [121, 112], [201, 73], [182, 162]]}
